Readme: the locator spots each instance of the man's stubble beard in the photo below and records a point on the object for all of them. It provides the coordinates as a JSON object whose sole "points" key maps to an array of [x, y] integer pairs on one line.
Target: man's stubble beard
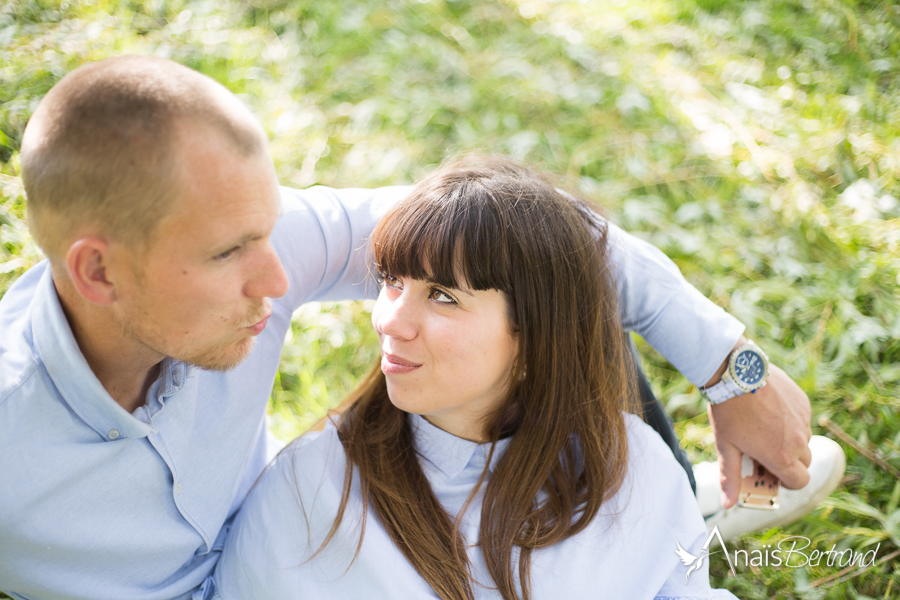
{"points": [[223, 359], [220, 359]]}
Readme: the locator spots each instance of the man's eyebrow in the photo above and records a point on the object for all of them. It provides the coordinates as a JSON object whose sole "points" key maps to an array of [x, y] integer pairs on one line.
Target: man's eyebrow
{"points": [[243, 240], [252, 236]]}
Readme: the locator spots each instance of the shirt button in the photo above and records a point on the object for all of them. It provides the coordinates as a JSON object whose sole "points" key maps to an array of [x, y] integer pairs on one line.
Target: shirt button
{"points": [[113, 434]]}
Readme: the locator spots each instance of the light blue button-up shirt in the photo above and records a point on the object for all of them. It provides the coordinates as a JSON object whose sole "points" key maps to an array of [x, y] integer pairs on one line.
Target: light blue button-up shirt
{"points": [[97, 503], [627, 551]]}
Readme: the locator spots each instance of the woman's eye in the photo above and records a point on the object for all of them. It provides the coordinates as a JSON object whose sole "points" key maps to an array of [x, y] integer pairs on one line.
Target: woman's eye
{"points": [[390, 281], [439, 295]]}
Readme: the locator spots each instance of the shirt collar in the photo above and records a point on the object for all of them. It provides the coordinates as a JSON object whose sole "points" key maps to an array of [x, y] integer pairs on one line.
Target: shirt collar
{"points": [[175, 372], [72, 376], [451, 454]]}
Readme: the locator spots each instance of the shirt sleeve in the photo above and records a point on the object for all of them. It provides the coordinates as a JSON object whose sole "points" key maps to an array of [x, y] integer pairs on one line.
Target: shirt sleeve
{"points": [[657, 303], [322, 239]]}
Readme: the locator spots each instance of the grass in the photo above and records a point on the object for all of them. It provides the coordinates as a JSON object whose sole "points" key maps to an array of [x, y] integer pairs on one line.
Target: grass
{"points": [[756, 143]]}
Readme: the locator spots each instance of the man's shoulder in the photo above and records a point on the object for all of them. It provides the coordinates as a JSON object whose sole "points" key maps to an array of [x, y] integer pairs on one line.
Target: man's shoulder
{"points": [[16, 368], [18, 359]]}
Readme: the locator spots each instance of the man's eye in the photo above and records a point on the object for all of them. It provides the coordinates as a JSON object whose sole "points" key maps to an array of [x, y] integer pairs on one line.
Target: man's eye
{"points": [[227, 253], [439, 295]]}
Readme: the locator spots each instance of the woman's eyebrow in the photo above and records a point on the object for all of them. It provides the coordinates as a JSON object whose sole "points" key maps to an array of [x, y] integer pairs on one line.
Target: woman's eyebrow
{"points": [[463, 290]]}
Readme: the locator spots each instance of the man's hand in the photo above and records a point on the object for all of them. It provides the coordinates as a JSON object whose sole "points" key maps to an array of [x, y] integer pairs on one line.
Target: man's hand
{"points": [[771, 426]]}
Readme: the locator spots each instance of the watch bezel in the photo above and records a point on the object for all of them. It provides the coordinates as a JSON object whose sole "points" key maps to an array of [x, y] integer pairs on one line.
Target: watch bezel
{"points": [[732, 374]]}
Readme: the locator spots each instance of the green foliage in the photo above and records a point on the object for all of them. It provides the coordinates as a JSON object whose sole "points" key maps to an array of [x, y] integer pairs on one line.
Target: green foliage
{"points": [[754, 142], [329, 348]]}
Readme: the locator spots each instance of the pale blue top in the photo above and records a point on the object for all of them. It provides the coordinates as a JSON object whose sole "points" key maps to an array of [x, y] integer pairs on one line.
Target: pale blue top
{"points": [[97, 503], [626, 552]]}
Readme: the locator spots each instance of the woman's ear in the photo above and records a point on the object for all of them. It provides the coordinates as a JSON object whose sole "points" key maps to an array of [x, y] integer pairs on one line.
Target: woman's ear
{"points": [[87, 263]]}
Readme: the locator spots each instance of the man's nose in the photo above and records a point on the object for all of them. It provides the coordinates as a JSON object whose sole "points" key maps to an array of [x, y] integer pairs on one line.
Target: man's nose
{"points": [[269, 279]]}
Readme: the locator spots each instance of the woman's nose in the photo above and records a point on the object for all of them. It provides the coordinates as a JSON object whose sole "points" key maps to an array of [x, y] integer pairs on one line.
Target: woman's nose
{"points": [[395, 317]]}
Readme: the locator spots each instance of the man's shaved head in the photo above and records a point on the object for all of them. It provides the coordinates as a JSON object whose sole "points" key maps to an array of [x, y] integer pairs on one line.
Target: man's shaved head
{"points": [[100, 154]]}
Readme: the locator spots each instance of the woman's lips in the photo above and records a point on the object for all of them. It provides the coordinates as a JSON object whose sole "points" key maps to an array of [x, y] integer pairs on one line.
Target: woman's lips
{"points": [[395, 365]]}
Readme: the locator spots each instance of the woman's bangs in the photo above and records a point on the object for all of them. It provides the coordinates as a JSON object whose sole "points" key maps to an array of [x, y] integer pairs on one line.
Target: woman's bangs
{"points": [[456, 241]]}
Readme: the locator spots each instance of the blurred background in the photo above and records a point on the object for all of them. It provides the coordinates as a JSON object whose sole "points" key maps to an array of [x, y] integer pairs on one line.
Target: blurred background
{"points": [[756, 143]]}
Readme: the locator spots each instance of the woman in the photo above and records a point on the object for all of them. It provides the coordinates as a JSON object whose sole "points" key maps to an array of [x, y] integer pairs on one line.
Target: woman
{"points": [[487, 456]]}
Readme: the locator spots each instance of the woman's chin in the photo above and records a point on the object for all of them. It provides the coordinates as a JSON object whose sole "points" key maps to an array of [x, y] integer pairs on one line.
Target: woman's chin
{"points": [[404, 401]]}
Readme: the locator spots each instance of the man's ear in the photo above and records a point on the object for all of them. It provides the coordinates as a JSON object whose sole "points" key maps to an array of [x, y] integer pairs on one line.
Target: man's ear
{"points": [[87, 263]]}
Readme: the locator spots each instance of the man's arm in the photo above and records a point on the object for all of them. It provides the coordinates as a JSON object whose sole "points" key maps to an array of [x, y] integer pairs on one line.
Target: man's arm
{"points": [[697, 336], [322, 239], [771, 425], [657, 303]]}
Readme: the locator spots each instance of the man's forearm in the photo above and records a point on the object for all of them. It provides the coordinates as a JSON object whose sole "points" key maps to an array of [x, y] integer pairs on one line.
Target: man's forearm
{"points": [[656, 302], [718, 374]]}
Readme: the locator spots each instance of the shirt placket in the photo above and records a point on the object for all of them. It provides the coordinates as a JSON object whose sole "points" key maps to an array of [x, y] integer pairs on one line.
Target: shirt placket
{"points": [[173, 398]]}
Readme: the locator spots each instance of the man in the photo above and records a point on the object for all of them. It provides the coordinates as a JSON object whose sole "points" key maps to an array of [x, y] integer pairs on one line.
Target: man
{"points": [[136, 363]]}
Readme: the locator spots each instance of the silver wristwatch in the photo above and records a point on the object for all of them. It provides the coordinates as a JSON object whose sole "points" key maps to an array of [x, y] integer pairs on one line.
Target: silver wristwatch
{"points": [[748, 367]]}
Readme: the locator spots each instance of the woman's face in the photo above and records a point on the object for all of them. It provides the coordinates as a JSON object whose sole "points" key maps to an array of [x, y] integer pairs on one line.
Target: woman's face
{"points": [[447, 353]]}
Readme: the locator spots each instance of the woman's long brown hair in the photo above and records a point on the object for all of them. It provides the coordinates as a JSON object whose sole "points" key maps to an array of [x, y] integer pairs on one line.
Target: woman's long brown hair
{"points": [[498, 225]]}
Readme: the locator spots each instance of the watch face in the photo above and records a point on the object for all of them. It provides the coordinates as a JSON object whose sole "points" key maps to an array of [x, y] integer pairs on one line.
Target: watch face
{"points": [[749, 367]]}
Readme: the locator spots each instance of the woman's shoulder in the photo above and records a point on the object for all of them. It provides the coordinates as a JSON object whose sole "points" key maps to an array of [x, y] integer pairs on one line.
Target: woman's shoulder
{"points": [[311, 466], [284, 519], [312, 445], [654, 478], [653, 512], [308, 462], [645, 445]]}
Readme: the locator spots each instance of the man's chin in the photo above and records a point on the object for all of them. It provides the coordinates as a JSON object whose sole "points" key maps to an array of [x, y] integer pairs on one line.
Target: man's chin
{"points": [[224, 359]]}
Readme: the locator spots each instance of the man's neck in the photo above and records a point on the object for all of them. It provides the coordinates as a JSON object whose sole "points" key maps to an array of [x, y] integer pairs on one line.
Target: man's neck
{"points": [[125, 367]]}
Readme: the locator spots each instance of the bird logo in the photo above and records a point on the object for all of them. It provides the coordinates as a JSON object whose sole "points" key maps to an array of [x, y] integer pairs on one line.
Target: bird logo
{"points": [[689, 560], [695, 562]]}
